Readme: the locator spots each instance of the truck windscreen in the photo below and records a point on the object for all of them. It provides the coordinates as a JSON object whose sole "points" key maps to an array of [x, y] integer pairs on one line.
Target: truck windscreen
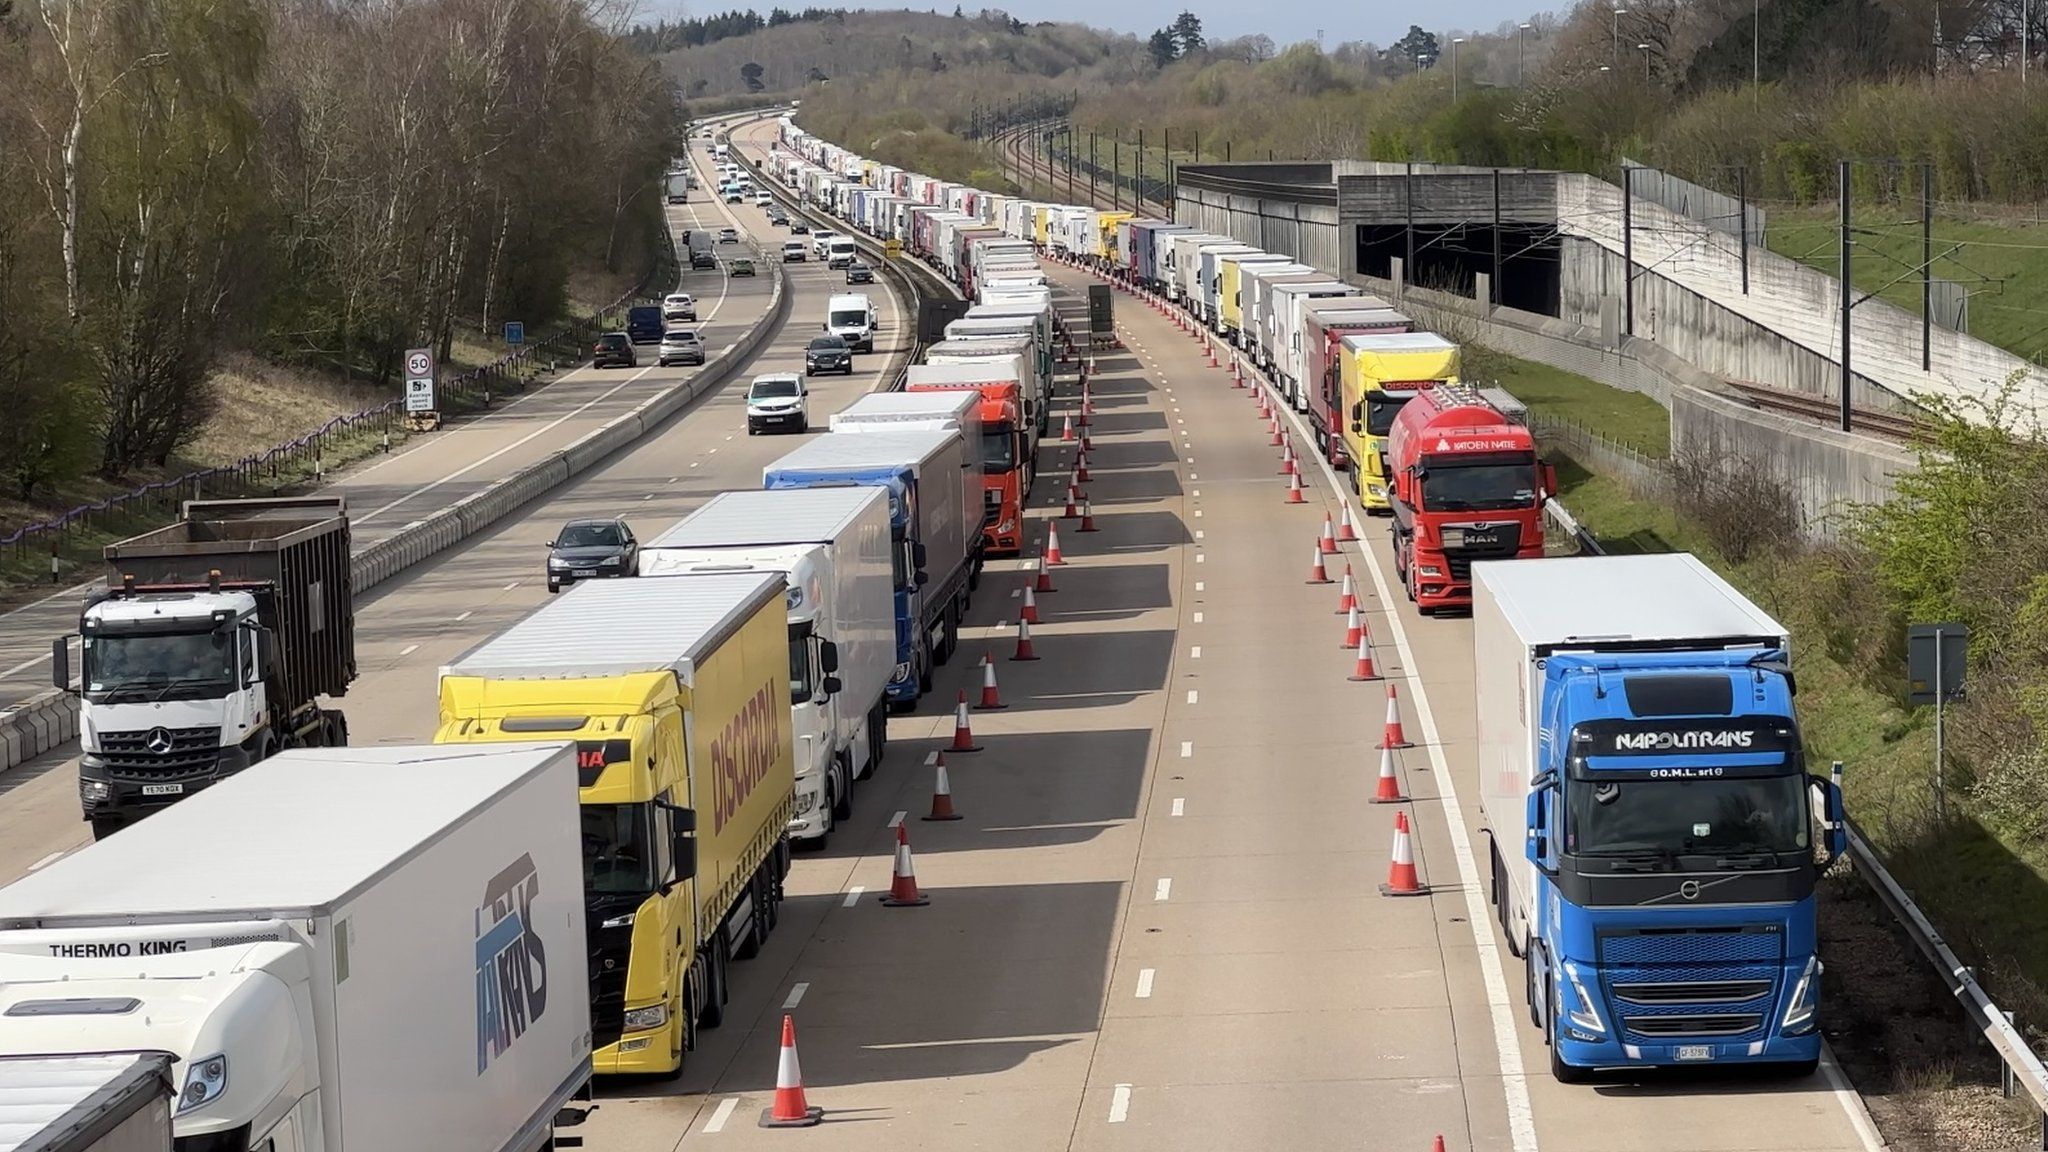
{"points": [[1478, 483], [1662, 819], [1381, 408], [618, 849], [998, 448], [848, 318], [157, 665]]}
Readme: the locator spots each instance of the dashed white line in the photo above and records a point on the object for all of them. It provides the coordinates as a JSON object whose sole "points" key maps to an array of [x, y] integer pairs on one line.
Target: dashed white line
{"points": [[1163, 889], [46, 861], [721, 1115], [465, 616], [1200, 558], [1198, 620], [649, 496], [1198, 585], [408, 650], [1187, 749], [1198, 513], [1144, 983], [796, 995], [1199, 534], [512, 585], [852, 896], [1120, 1104], [1193, 696], [1180, 806], [897, 820]]}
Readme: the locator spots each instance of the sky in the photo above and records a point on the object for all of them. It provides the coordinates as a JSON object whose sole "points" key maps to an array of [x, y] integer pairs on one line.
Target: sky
{"points": [[1286, 21]]}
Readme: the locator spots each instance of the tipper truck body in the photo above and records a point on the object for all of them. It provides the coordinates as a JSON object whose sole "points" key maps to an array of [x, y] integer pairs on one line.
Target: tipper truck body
{"points": [[1652, 820], [353, 948], [831, 545], [676, 694], [210, 650]]}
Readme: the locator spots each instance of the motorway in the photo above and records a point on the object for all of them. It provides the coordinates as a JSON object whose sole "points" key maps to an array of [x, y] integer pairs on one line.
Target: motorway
{"points": [[1158, 925], [433, 471]]}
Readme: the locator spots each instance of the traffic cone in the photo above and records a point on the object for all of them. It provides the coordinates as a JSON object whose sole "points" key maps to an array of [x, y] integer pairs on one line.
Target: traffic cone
{"points": [[1364, 671], [1273, 428], [1081, 468], [1438, 1146], [1024, 651], [1211, 350], [903, 891], [1389, 791], [1067, 430], [1401, 877], [1044, 581], [1052, 548], [1349, 600], [1347, 530], [942, 792], [1087, 445], [963, 733], [991, 700], [1088, 516], [1029, 612], [1072, 498], [790, 1109], [1329, 540], [1087, 403], [1394, 737], [1354, 629], [1236, 373], [1286, 459], [1295, 496], [1317, 573]]}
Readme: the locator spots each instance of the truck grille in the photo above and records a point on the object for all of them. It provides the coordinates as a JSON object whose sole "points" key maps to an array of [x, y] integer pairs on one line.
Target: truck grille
{"points": [[1719, 1025], [1508, 541], [179, 754], [1727, 944], [1708, 992], [610, 950]]}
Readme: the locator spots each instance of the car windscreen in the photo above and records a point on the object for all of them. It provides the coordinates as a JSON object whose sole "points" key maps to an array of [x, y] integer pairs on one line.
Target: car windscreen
{"points": [[828, 344], [679, 336], [588, 536], [773, 389], [849, 317]]}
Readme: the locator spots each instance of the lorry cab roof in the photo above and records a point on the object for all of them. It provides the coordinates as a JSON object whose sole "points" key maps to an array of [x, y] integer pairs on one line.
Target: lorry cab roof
{"points": [[770, 517], [1643, 602], [622, 627]]}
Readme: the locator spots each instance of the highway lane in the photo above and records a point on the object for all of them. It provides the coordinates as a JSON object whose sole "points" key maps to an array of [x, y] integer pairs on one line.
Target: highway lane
{"points": [[423, 618], [386, 493]]}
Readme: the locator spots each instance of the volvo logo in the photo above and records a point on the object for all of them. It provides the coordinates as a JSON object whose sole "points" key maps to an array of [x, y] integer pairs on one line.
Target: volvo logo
{"points": [[1690, 890], [158, 740]]}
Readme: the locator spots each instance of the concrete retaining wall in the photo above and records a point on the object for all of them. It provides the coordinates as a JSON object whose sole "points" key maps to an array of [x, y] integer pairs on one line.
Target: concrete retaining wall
{"points": [[51, 719]]}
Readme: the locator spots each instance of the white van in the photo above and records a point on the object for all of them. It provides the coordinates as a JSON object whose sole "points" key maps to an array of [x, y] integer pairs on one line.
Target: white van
{"points": [[840, 252], [851, 317], [821, 242]]}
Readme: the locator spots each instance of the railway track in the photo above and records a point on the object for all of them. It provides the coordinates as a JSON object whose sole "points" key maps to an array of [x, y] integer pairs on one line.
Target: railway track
{"points": [[1888, 425]]}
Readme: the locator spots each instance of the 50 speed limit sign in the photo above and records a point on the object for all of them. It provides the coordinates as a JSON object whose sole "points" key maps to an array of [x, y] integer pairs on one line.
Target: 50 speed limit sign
{"points": [[419, 362]]}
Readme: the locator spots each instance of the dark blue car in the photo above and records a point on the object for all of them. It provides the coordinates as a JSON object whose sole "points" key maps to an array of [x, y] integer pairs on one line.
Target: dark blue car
{"points": [[643, 324]]}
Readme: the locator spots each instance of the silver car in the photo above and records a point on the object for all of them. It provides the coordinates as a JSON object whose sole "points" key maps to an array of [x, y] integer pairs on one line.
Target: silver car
{"points": [[681, 346]]}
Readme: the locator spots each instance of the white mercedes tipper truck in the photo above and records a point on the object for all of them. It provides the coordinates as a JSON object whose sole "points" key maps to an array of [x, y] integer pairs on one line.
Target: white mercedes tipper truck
{"points": [[832, 546], [106, 1102], [349, 950]]}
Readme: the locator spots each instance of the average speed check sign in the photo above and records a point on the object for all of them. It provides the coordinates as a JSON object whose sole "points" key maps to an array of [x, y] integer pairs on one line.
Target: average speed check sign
{"points": [[419, 380]]}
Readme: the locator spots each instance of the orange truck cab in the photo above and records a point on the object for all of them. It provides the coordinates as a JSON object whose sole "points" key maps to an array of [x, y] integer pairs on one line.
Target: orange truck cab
{"points": [[1466, 485], [1004, 462]]}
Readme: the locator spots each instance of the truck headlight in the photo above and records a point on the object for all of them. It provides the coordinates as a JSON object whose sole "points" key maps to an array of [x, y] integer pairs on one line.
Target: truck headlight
{"points": [[1585, 1017], [625, 921], [93, 791], [642, 1019], [902, 672], [205, 1080], [1006, 527], [1429, 570], [1805, 996], [1454, 537], [805, 801]]}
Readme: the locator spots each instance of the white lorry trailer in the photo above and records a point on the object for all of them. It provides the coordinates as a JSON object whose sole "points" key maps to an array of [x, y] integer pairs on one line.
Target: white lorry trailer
{"points": [[108, 1102], [362, 949], [832, 547]]}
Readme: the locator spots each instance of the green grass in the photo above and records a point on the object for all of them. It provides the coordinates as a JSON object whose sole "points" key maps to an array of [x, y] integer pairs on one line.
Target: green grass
{"points": [[2002, 264], [1630, 417]]}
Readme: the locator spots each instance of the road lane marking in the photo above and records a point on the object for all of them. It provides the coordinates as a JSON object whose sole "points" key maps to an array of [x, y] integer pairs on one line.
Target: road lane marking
{"points": [[796, 996], [1199, 534], [512, 585], [1198, 585], [1192, 696], [896, 821], [465, 616], [46, 861], [408, 650], [852, 896], [1120, 1104], [1180, 806], [1198, 513], [1201, 559], [721, 1115], [1163, 889], [1198, 620], [1144, 983], [1187, 749]]}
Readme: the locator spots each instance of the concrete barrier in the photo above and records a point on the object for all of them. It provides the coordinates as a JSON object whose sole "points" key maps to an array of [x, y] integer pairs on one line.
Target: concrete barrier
{"points": [[48, 720]]}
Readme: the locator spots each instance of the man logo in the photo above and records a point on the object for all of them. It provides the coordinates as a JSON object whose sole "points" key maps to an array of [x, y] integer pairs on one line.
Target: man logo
{"points": [[511, 963]]}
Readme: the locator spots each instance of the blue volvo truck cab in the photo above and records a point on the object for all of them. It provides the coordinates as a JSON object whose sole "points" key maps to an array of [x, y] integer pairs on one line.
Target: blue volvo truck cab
{"points": [[1657, 838]]}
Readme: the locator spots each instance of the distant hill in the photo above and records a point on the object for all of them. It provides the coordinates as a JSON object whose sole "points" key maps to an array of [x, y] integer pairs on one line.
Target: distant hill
{"points": [[740, 52]]}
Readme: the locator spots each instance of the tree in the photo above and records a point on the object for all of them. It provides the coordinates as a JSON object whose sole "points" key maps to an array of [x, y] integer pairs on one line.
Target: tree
{"points": [[1419, 47], [958, 14], [816, 75], [750, 75], [1163, 48], [1187, 33]]}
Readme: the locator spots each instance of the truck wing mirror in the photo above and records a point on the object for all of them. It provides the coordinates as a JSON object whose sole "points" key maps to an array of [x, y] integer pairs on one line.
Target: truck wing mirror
{"points": [[917, 556], [828, 657], [684, 849], [832, 685], [1550, 479], [60, 663]]}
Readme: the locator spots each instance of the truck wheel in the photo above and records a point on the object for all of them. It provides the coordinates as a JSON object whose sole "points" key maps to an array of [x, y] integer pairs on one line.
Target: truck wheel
{"points": [[842, 765], [714, 985]]}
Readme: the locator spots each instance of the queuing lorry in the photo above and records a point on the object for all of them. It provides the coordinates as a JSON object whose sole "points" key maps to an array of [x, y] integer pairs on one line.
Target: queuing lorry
{"points": [[676, 695], [994, 344], [1320, 376], [935, 518], [1203, 279], [1467, 487], [103, 1102], [1006, 441], [831, 546], [209, 650], [1380, 373], [352, 949], [1256, 285], [1272, 335], [1651, 816], [1232, 300]]}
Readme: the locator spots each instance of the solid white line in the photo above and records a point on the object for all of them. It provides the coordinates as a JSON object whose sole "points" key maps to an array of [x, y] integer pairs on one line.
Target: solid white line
{"points": [[1478, 918], [1163, 889], [46, 861], [1180, 805], [796, 996], [852, 896], [1187, 749], [1192, 695], [897, 820], [1144, 983], [721, 1115], [465, 616], [1852, 1103], [1120, 1104], [408, 650]]}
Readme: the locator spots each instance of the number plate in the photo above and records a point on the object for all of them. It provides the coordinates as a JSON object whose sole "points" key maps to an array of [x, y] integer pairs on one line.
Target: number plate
{"points": [[163, 789], [1695, 1052], [584, 573]]}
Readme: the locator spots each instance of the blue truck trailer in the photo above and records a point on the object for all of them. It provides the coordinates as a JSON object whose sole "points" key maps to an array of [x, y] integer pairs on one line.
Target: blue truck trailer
{"points": [[935, 518], [1653, 822]]}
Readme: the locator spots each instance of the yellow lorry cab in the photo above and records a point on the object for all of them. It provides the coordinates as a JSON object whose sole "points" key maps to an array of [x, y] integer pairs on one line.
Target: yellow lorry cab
{"points": [[1380, 373], [676, 695]]}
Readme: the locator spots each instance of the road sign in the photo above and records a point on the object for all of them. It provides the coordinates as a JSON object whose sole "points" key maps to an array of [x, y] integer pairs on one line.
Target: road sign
{"points": [[1936, 654], [419, 363], [419, 380], [515, 333]]}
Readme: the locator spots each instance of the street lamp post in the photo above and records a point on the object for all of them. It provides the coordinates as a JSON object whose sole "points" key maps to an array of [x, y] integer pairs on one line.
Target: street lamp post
{"points": [[1522, 64], [1646, 62], [1454, 67], [1619, 12]]}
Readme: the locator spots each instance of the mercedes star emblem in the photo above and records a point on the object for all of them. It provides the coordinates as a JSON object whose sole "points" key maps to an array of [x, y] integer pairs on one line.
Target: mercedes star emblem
{"points": [[158, 741]]}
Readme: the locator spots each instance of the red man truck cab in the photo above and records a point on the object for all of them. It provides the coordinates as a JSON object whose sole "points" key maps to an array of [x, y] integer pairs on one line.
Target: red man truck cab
{"points": [[1004, 461], [1466, 486]]}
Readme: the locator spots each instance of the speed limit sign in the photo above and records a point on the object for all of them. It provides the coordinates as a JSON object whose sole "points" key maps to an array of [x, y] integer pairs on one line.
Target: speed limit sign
{"points": [[419, 380], [419, 362]]}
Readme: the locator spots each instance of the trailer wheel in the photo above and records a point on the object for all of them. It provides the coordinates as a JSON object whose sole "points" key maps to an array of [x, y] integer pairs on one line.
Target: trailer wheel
{"points": [[713, 1013]]}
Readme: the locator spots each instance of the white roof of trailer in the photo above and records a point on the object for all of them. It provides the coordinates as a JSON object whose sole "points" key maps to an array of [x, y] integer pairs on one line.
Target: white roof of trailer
{"points": [[619, 627], [1584, 599], [782, 516]]}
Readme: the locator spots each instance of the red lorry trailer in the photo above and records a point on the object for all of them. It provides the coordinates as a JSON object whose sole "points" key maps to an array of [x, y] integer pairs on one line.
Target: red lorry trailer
{"points": [[1466, 486]]}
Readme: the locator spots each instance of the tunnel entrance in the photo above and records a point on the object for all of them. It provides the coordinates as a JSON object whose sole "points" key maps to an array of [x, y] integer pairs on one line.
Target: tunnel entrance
{"points": [[1449, 257]]}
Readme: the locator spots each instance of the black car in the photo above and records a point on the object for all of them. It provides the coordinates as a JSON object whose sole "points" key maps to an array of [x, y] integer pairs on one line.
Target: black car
{"points": [[592, 550], [828, 354], [858, 273], [778, 217], [799, 228], [613, 350]]}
